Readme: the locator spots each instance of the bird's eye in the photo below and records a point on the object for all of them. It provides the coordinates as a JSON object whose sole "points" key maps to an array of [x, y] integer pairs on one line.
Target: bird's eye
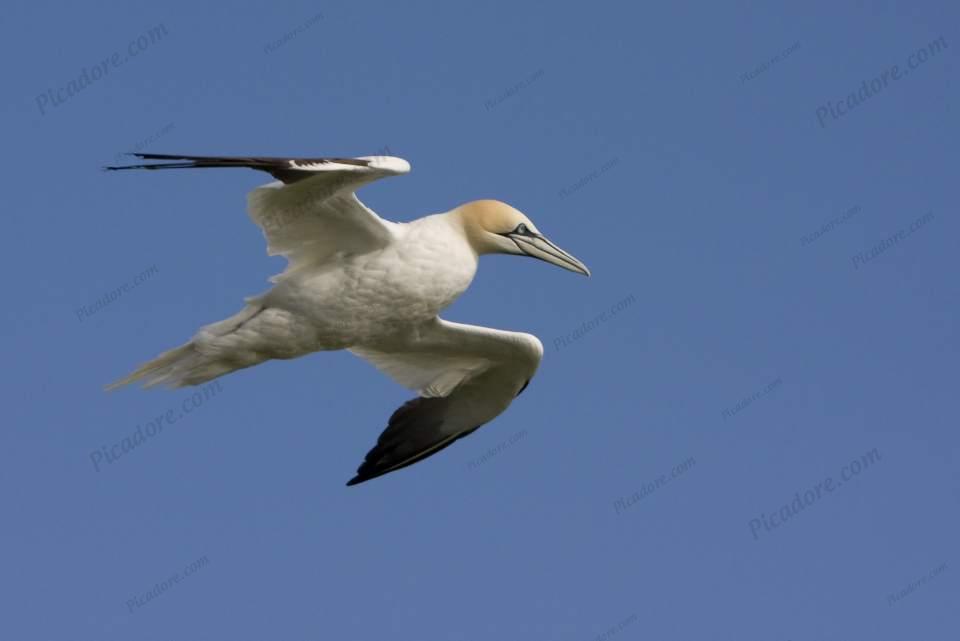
{"points": [[522, 229]]}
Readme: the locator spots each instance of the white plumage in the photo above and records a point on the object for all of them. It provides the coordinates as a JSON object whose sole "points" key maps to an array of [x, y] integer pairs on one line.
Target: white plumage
{"points": [[355, 281]]}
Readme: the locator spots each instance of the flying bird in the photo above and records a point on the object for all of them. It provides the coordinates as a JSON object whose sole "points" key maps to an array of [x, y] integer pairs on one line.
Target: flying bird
{"points": [[374, 287]]}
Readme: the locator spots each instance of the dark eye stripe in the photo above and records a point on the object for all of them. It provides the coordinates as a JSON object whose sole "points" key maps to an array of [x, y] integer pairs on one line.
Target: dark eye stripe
{"points": [[520, 230]]}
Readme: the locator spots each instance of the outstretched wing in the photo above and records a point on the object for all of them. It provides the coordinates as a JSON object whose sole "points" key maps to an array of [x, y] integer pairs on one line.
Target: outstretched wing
{"points": [[466, 376], [312, 212]]}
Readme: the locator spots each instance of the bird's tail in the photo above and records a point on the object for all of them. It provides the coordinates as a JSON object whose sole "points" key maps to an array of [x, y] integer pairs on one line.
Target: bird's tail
{"points": [[178, 367], [202, 359]]}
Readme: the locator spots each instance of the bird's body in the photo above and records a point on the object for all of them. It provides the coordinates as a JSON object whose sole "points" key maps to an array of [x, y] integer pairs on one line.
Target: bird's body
{"points": [[355, 281], [365, 299]]}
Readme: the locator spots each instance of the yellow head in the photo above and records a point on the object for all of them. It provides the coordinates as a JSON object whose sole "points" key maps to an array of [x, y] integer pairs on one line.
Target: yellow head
{"points": [[493, 227]]}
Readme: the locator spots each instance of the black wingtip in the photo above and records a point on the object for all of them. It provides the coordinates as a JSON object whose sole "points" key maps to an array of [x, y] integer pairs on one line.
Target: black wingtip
{"points": [[132, 154], [414, 432], [366, 472], [287, 170]]}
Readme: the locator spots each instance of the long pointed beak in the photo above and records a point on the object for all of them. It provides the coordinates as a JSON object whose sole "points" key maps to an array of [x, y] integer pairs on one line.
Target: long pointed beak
{"points": [[540, 247]]}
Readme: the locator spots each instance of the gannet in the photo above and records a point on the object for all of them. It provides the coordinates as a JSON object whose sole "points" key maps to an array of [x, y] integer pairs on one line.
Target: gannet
{"points": [[358, 282]]}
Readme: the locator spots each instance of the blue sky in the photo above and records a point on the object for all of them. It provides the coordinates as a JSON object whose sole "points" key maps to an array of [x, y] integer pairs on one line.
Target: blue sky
{"points": [[729, 355]]}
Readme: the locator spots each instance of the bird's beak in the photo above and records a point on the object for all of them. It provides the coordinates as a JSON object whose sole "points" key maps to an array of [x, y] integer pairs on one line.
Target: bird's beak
{"points": [[540, 247]]}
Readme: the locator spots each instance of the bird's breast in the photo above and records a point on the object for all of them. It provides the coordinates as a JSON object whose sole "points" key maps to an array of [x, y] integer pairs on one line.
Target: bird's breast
{"points": [[431, 268], [363, 298]]}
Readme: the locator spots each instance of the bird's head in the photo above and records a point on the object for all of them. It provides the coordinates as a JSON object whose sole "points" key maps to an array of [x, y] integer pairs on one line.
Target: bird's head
{"points": [[493, 227]]}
